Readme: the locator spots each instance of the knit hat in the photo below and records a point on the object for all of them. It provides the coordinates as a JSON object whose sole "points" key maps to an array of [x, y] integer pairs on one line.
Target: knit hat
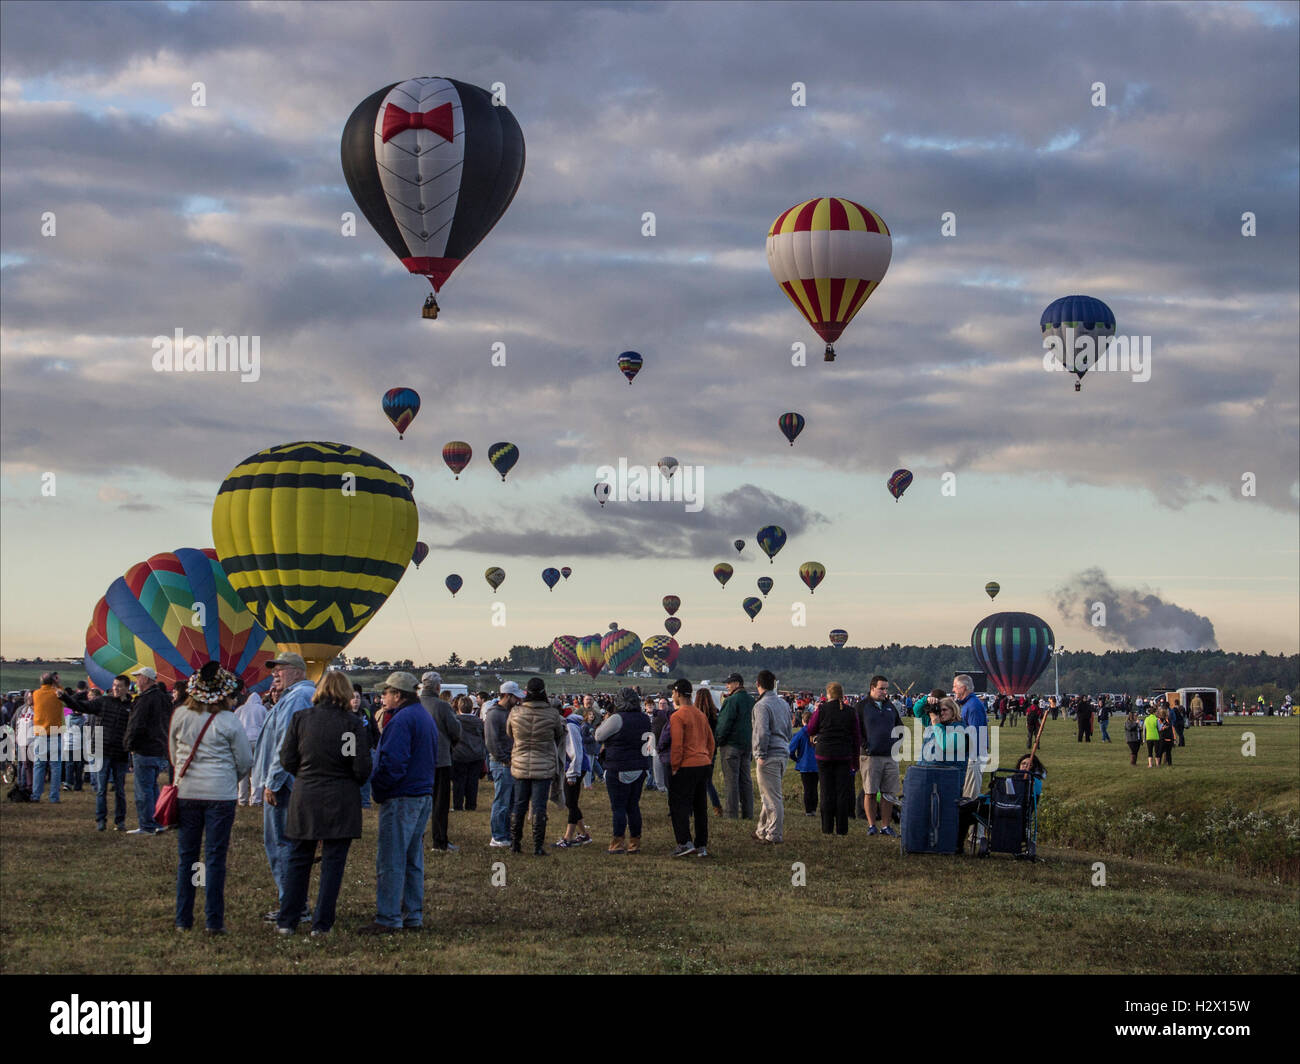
{"points": [[628, 700], [536, 687]]}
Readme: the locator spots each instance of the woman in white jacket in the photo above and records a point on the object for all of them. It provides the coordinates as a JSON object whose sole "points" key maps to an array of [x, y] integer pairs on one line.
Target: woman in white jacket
{"points": [[210, 752]]}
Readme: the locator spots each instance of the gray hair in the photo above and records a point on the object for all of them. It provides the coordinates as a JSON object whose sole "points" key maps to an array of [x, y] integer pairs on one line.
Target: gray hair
{"points": [[965, 681]]}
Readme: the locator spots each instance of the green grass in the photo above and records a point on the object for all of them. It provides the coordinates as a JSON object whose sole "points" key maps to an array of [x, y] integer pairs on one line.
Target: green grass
{"points": [[75, 901]]}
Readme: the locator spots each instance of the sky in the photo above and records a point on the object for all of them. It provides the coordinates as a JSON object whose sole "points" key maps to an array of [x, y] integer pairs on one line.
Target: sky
{"points": [[1174, 501]]}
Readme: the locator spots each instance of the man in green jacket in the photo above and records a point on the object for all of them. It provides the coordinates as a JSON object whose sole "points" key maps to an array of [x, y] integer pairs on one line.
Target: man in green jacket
{"points": [[734, 737]]}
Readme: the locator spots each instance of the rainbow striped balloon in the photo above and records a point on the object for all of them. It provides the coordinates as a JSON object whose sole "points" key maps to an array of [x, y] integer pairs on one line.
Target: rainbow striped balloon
{"points": [[621, 648]]}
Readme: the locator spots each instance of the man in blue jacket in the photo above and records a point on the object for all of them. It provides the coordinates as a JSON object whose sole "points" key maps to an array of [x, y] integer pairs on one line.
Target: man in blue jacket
{"points": [[975, 722], [405, 765]]}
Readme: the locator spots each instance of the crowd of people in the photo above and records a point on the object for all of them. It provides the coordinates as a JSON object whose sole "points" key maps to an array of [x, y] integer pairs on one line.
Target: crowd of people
{"points": [[313, 756]]}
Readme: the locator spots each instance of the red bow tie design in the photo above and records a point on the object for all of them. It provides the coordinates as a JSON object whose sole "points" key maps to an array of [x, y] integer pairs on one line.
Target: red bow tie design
{"points": [[439, 121]]}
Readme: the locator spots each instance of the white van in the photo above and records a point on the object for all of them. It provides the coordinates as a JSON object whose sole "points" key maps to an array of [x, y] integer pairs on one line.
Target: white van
{"points": [[1211, 703], [451, 690]]}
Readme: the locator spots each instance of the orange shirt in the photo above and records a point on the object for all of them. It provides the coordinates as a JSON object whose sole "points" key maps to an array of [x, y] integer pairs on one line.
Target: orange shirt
{"points": [[692, 738], [47, 709]]}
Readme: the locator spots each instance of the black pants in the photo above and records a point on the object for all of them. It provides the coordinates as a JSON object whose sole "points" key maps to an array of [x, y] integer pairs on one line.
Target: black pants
{"points": [[572, 792], [1085, 731], [441, 806], [836, 782], [1134, 747], [809, 791], [688, 793], [333, 861], [464, 784]]}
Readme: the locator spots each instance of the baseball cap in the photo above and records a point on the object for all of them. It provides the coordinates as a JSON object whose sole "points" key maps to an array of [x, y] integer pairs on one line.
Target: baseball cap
{"points": [[146, 672], [293, 661], [402, 681], [735, 677], [511, 688], [430, 678]]}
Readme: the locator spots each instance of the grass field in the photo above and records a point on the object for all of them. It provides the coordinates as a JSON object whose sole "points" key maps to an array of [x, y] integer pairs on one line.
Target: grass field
{"points": [[76, 901]]}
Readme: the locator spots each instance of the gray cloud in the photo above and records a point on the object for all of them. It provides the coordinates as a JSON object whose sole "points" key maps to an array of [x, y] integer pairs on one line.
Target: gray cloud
{"points": [[1135, 619]]}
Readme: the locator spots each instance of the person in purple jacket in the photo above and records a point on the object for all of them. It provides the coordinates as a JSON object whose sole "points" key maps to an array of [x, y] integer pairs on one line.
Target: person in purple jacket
{"points": [[836, 735]]}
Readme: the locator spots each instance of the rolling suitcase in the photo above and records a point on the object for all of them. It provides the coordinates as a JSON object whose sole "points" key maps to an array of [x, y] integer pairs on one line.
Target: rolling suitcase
{"points": [[930, 793]]}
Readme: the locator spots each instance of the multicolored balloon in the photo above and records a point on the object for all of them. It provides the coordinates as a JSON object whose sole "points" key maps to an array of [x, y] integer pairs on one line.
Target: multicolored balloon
{"points": [[454, 583], [550, 577], [503, 457], [771, 538], [1072, 319], [566, 572], [752, 606], [1013, 648], [311, 562], [668, 466], [838, 637], [660, 652], [898, 482], [812, 574], [629, 364], [992, 588], [457, 454], [495, 576], [420, 553], [433, 164], [602, 491], [672, 604], [400, 406], [722, 573], [829, 255], [590, 656], [739, 545], [174, 613], [565, 649], [791, 424], [621, 648], [765, 584], [672, 625]]}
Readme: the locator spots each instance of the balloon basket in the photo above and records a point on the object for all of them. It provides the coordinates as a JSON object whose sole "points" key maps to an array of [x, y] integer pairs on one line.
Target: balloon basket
{"points": [[830, 354]]}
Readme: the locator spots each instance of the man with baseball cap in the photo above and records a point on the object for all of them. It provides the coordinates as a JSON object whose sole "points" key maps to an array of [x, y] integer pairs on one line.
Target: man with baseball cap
{"points": [[269, 775], [734, 738], [146, 741], [448, 736], [500, 745]]}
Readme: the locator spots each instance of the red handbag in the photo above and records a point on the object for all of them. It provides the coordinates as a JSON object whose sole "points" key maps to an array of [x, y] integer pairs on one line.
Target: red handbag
{"points": [[166, 811]]}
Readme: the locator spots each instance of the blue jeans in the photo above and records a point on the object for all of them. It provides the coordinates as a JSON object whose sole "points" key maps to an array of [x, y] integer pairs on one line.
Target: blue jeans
{"points": [[196, 818], [399, 864], [278, 848], [114, 770], [146, 788], [46, 752], [502, 797], [625, 803], [1105, 731]]}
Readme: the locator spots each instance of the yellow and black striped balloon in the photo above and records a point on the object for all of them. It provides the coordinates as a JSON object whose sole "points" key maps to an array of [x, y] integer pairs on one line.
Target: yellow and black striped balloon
{"points": [[314, 537]]}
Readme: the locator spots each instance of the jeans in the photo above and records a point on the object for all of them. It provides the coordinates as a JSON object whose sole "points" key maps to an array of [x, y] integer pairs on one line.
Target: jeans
{"points": [[302, 852], [277, 846], [399, 864], [737, 782], [835, 779], [659, 783], [536, 791], [464, 784], [114, 770], [771, 819], [441, 806], [687, 794], [197, 818], [1105, 731], [625, 803], [46, 752], [146, 788], [502, 797], [74, 771], [713, 791]]}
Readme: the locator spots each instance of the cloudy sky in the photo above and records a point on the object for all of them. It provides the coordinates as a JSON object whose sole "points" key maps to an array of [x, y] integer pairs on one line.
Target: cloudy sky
{"points": [[226, 219]]}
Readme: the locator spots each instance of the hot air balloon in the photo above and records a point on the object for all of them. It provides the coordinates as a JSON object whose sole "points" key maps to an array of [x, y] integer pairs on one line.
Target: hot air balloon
{"points": [[765, 584], [668, 466], [420, 552], [174, 613], [672, 625], [791, 424], [433, 164], [812, 574], [495, 576], [457, 454], [454, 583], [566, 572], [838, 637], [312, 562], [722, 573], [992, 588], [565, 649], [739, 545], [410, 483], [550, 577], [1080, 325], [400, 406], [621, 649], [613, 626], [1013, 648], [771, 539], [898, 482], [503, 457], [829, 255], [672, 604], [602, 492], [655, 651], [590, 656], [752, 606], [629, 364]]}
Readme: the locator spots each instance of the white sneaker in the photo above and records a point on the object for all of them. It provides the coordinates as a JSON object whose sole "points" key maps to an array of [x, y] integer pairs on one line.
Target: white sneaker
{"points": [[494, 844]]}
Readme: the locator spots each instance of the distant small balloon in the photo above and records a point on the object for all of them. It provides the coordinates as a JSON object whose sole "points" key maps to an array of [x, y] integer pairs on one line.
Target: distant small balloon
{"points": [[765, 584], [752, 606], [495, 576], [454, 583]]}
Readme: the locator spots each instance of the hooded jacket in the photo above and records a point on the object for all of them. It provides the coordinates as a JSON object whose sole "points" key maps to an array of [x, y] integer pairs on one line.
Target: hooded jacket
{"points": [[535, 726]]}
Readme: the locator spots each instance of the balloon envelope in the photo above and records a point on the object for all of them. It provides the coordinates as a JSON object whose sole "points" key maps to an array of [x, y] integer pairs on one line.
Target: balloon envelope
{"points": [[602, 492], [838, 637], [401, 405], [770, 540], [765, 584], [454, 583], [739, 545], [621, 649], [752, 606], [566, 572], [590, 656], [791, 425], [668, 466], [629, 364], [312, 562], [1070, 320], [1013, 648], [672, 603], [992, 588], [457, 454], [673, 625], [565, 649], [898, 482], [550, 577], [495, 576], [722, 573], [812, 574], [174, 613], [503, 457], [420, 552]]}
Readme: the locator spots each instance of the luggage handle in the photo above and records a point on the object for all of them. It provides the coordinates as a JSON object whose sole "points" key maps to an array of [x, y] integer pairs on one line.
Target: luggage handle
{"points": [[934, 816]]}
